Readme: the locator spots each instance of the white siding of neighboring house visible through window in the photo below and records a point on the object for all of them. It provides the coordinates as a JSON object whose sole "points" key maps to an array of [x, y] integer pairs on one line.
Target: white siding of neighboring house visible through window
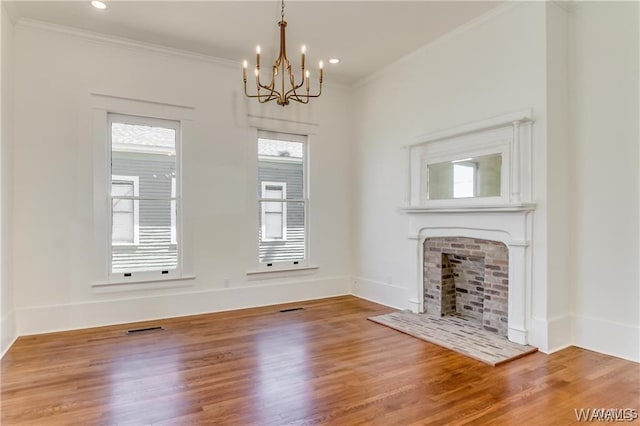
{"points": [[144, 196]]}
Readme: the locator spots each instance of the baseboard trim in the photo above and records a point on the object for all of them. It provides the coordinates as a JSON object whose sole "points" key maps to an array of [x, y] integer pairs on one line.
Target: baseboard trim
{"points": [[53, 318], [559, 334], [378, 292], [8, 335], [607, 337]]}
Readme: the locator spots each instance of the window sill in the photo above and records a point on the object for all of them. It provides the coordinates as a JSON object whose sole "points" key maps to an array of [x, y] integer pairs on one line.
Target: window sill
{"points": [[277, 272], [144, 284]]}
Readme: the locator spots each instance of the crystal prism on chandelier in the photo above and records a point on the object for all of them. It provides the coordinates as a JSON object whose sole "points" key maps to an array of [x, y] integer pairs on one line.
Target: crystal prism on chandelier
{"points": [[289, 89]]}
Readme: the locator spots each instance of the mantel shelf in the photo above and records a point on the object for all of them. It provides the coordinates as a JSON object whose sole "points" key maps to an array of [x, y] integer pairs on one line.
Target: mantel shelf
{"points": [[510, 208]]}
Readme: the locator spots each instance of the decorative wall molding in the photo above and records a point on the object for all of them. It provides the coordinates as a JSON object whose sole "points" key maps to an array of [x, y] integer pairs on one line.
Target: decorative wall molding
{"points": [[523, 116], [282, 125], [508, 135]]}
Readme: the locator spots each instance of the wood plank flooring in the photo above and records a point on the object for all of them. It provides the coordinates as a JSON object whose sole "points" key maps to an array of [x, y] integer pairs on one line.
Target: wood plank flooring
{"points": [[323, 365]]}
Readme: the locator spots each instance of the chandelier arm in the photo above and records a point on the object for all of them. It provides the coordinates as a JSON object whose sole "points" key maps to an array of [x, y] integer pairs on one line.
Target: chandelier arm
{"points": [[297, 97], [260, 96], [268, 96], [294, 87]]}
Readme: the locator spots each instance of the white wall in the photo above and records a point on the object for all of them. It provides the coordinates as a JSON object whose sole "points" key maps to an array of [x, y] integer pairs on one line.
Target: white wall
{"points": [[55, 73], [7, 312], [490, 67], [559, 179], [604, 116]]}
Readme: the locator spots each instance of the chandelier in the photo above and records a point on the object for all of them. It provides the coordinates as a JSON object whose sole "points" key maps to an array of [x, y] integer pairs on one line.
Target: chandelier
{"points": [[283, 86]]}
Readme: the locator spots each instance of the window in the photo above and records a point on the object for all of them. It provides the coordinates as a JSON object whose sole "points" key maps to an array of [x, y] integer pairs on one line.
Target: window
{"points": [[125, 210], [145, 196], [282, 199], [274, 214]]}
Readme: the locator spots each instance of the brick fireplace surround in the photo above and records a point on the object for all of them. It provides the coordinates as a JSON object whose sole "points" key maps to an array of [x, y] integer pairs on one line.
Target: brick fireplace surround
{"points": [[467, 277]]}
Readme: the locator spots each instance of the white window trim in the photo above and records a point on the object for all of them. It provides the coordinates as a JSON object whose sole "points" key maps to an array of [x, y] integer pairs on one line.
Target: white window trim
{"points": [[263, 232], [174, 212], [290, 265], [99, 105], [136, 213], [144, 276]]}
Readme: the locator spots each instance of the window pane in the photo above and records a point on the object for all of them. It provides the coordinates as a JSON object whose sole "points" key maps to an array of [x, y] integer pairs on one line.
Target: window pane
{"points": [[273, 225], [123, 231], [122, 189], [143, 166], [155, 250], [290, 224], [145, 153], [280, 161]]}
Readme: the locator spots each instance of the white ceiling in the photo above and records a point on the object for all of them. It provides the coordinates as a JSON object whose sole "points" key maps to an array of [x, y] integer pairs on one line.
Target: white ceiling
{"points": [[365, 35]]}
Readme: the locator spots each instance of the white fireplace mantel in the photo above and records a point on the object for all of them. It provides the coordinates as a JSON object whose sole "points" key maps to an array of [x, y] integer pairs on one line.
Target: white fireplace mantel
{"points": [[507, 219], [513, 228]]}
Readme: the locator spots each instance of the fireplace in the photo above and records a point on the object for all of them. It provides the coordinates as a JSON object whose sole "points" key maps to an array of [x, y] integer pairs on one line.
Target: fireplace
{"points": [[467, 277], [470, 206]]}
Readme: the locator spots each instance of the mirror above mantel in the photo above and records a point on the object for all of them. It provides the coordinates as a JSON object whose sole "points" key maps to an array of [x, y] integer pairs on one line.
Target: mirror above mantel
{"points": [[471, 177], [484, 165]]}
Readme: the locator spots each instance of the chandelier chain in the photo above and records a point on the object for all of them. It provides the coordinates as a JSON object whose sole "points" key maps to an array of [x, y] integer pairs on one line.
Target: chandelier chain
{"points": [[282, 9]]}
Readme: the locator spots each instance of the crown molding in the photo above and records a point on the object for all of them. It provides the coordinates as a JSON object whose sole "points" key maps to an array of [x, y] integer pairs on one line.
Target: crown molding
{"points": [[105, 39], [111, 40], [566, 5], [11, 11], [496, 11]]}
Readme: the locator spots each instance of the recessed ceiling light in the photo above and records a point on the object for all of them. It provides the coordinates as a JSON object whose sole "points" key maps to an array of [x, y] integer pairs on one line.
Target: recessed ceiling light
{"points": [[98, 4], [334, 61]]}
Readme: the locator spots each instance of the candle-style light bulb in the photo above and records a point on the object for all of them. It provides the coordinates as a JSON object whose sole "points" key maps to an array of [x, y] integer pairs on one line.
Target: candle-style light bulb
{"points": [[245, 64], [304, 49], [321, 64], [258, 56], [321, 71]]}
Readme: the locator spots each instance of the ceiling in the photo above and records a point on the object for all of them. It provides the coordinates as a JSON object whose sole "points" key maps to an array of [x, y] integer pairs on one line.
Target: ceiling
{"points": [[365, 35]]}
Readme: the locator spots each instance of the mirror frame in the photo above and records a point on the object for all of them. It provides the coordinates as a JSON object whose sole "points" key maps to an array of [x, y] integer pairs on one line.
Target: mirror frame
{"points": [[509, 135]]}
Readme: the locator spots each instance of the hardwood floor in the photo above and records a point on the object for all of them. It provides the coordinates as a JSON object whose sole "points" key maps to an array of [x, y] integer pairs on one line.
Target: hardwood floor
{"points": [[324, 365]]}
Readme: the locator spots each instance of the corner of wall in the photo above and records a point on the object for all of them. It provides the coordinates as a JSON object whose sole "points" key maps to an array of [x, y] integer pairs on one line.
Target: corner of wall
{"points": [[7, 312], [7, 331]]}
